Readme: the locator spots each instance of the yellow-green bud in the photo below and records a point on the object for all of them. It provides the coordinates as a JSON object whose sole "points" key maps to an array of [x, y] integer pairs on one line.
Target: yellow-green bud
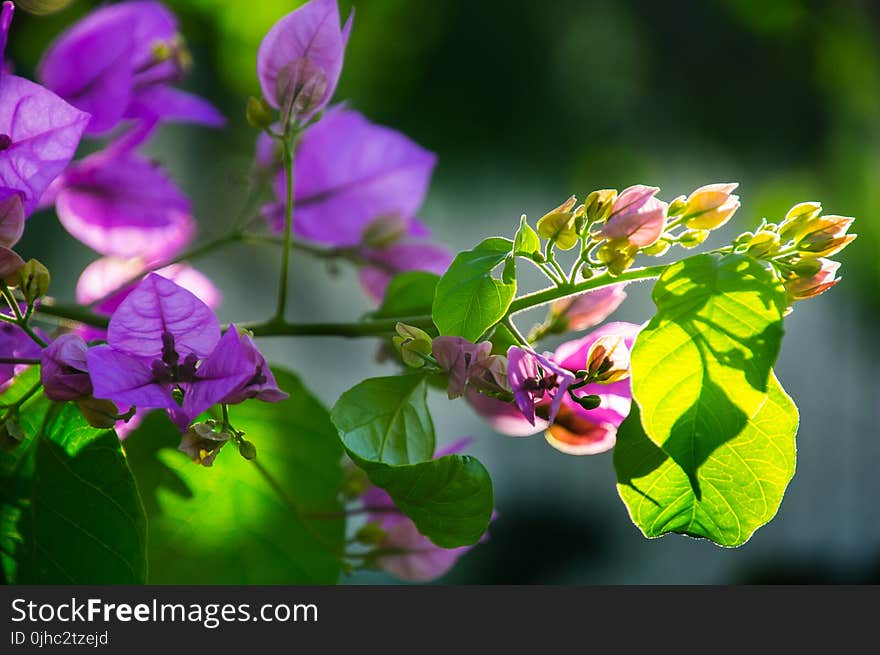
{"points": [[692, 238], [413, 344], [247, 450], [258, 113], [798, 219], [657, 249], [559, 225], [597, 206], [677, 207], [33, 280], [617, 255], [370, 533], [764, 244]]}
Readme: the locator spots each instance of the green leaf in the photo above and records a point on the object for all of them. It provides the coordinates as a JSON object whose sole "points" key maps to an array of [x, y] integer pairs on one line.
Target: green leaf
{"points": [[737, 487], [69, 509], [409, 294], [228, 524], [700, 368], [386, 429], [469, 300], [526, 242], [386, 420]]}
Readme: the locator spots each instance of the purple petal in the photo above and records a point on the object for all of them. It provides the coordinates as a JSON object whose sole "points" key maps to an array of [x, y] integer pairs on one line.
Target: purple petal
{"points": [[157, 306], [227, 368], [572, 355], [14, 342], [11, 218], [503, 417], [350, 171], [163, 103], [125, 205], [64, 371], [261, 383], [311, 34], [422, 560], [126, 380], [398, 258], [10, 263], [99, 61], [44, 132]]}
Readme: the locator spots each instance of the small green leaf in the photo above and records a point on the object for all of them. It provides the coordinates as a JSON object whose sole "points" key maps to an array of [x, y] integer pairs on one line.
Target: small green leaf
{"points": [[736, 487], [409, 294], [69, 509], [700, 368], [469, 300], [386, 420], [526, 243], [228, 524], [385, 426]]}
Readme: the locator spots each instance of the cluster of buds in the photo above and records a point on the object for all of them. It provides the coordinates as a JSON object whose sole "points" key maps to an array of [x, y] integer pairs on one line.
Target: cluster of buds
{"points": [[799, 246], [621, 225], [202, 442]]}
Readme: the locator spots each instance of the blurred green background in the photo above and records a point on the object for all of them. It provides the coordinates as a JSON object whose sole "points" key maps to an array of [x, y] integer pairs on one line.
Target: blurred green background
{"points": [[526, 102]]}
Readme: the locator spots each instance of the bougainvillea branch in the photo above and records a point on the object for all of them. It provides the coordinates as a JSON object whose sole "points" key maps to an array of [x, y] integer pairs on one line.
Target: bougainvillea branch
{"points": [[701, 429]]}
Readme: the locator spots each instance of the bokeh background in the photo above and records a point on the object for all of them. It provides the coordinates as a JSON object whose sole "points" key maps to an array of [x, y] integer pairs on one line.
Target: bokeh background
{"points": [[526, 102]]}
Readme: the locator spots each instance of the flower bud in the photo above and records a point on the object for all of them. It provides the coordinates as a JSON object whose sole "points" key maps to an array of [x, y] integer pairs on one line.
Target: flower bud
{"points": [[797, 220], [711, 206], [692, 238], [384, 231], [489, 376], [63, 370], [677, 207], [658, 249], [11, 220], [33, 280], [258, 113], [806, 267], [11, 433], [526, 242], [413, 344], [10, 266], [247, 449], [588, 309], [558, 225], [355, 483], [801, 288], [825, 236], [763, 245], [98, 413], [301, 87], [202, 441], [608, 359], [617, 255], [637, 217], [459, 358], [598, 205]]}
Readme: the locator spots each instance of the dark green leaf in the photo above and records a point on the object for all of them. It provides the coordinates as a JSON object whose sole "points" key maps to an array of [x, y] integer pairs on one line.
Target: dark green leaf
{"points": [[386, 428], [228, 524], [409, 294], [469, 300], [736, 487], [69, 509]]}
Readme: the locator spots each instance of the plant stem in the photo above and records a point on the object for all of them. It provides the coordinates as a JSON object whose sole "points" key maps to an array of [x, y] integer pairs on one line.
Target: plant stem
{"points": [[372, 328], [24, 361], [287, 145]]}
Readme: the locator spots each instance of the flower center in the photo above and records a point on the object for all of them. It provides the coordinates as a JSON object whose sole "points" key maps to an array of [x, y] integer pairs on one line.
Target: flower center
{"points": [[5, 142], [169, 369]]}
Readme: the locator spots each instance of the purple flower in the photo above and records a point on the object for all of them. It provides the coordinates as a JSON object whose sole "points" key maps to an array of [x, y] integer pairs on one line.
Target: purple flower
{"points": [[384, 263], [349, 172], [419, 559], [533, 378], [637, 217], [64, 371], [458, 357], [262, 384], [119, 62], [165, 351], [14, 342], [39, 134], [300, 59], [120, 203]]}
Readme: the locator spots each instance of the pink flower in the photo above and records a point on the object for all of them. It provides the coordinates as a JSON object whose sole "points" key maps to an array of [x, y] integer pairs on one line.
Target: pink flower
{"points": [[637, 217], [588, 309]]}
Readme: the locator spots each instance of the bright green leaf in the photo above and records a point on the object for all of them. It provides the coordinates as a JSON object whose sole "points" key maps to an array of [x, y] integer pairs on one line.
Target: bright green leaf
{"points": [[227, 524], [386, 428], [469, 299], [409, 294], [69, 509], [700, 367], [735, 488]]}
